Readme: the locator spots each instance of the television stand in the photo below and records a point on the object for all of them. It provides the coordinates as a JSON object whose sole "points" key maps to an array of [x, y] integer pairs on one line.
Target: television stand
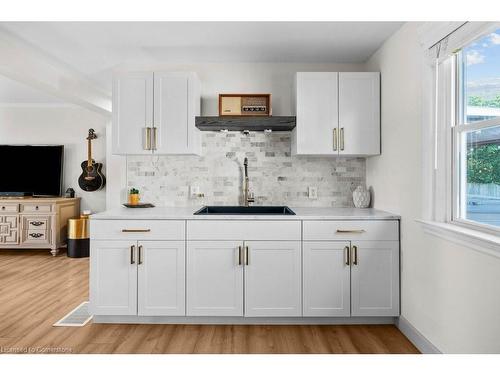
{"points": [[36, 223]]}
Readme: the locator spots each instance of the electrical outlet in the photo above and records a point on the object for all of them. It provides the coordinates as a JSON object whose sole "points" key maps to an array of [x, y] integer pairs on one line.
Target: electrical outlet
{"points": [[312, 192], [194, 191]]}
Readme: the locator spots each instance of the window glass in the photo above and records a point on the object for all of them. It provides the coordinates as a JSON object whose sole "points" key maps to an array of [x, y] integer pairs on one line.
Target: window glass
{"points": [[480, 175], [481, 79]]}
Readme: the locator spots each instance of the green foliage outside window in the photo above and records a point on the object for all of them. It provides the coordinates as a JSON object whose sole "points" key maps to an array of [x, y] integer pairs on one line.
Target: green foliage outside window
{"points": [[478, 101], [483, 164]]}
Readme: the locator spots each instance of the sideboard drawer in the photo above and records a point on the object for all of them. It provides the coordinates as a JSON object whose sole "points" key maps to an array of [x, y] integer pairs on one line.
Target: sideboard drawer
{"points": [[36, 236], [137, 230], [36, 222], [36, 207], [8, 207], [331, 230]]}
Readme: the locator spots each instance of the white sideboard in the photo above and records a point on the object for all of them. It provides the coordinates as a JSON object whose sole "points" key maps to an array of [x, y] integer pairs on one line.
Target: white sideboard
{"points": [[299, 269], [36, 223]]}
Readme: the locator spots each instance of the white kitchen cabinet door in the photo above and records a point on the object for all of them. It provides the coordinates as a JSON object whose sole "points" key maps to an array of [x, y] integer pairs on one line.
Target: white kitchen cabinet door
{"points": [[113, 277], [317, 114], [161, 278], [214, 278], [375, 278], [132, 112], [273, 278], [359, 113], [326, 279], [176, 103]]}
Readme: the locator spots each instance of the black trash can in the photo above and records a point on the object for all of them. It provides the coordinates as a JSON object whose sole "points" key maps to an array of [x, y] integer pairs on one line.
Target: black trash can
{"points": [[78, 237]]}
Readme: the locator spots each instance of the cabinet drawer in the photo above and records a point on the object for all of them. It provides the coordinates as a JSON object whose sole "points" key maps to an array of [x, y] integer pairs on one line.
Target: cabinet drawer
{"points": [[8, 207], [36, 207], [243, 230], [137, 229], [36, 223], [36, 236], [381, 230]]}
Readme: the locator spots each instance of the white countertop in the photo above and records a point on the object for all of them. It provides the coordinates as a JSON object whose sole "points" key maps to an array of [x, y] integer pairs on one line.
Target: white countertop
{"points": [[186, 213]]}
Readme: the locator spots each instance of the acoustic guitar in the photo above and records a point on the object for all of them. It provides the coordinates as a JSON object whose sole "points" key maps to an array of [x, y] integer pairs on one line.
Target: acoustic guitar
{"points": [[92, 178]]}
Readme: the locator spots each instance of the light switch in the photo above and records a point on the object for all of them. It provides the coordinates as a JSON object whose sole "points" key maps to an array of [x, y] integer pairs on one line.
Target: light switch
{"points": [[312, 192]]}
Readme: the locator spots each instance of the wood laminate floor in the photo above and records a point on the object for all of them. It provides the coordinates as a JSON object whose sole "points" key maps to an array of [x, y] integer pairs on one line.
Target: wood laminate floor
{"points": [[37, 289]]}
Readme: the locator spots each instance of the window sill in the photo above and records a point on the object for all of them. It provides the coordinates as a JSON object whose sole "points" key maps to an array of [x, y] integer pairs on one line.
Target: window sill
{"points": [[474, 239]]}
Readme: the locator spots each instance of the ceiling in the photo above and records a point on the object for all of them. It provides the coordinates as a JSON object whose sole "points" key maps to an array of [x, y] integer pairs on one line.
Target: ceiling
{"points": [[96, 48]]}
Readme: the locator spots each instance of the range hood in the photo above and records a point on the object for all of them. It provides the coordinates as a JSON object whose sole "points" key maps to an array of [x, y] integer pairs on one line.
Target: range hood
{"points": [[245, 123]]}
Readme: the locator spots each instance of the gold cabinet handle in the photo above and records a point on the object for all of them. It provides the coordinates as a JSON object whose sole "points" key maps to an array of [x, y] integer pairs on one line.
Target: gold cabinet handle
{"points": [[347, 252], [335, 139], [146, 138], [136, 230], [240, 249], [341, 139], [355, 258], [153, 140], [351, 231], [139, 257], [247, 260], [132, 254]]}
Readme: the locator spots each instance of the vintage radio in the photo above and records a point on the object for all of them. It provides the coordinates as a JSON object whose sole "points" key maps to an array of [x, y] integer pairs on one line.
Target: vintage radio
{"points": [[245, 105]]}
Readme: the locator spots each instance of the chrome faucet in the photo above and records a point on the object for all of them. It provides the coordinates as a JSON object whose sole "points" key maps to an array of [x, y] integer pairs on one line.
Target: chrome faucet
{"points": [[247, 195]]}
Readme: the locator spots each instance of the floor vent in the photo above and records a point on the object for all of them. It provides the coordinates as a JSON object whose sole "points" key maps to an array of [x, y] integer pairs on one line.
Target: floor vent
{"points": [[78, 317]]}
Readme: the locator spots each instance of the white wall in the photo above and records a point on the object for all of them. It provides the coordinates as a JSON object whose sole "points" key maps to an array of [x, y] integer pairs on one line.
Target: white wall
{"points": [[449, 293], [65, 125]]}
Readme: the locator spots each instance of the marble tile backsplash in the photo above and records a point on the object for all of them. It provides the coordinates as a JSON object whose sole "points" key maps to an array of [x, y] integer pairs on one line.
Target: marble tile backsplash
{"points": [[276, 177]]}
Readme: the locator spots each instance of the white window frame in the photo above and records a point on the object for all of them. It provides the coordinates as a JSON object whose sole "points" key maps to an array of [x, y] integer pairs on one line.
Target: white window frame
{"points": [[459, 186], [439, 139]]}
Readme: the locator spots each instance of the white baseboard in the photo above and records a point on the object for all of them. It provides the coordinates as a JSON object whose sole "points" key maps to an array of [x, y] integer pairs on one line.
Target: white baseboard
{"points": [[417, 339], [133, 319]]}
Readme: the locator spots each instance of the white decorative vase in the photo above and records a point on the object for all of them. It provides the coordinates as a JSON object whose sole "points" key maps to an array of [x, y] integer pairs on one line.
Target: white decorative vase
{"points": [[361, 197]]}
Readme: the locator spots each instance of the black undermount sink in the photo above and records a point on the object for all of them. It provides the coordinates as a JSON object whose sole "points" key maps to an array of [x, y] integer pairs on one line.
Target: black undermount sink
{"points": [[242, 210]]}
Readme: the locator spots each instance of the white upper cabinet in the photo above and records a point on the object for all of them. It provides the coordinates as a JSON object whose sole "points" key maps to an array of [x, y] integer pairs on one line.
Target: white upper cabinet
{"points": [[359, 113], [132, 112], [176, 104], [317, 114], [337, 114], [155, 113]]}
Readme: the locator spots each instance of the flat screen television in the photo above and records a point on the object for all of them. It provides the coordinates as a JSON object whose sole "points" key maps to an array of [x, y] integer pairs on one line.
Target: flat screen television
{"points": [[31, 170]]}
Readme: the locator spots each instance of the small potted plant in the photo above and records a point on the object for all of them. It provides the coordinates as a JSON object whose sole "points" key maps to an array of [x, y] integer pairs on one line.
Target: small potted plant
{"points": [[133, 196]]}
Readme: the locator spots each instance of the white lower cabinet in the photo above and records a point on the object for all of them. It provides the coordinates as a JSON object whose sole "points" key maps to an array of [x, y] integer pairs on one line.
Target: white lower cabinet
{"points": [[244, 268], [161, 278], [214, 278], [375, 278], [327, 278], [273, 278], [137, 278], [113, 278], [263, 276]]}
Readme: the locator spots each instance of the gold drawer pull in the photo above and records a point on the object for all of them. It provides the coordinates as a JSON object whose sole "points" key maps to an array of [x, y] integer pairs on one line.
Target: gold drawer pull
{"points": [[136, 230], [351, 231]]}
